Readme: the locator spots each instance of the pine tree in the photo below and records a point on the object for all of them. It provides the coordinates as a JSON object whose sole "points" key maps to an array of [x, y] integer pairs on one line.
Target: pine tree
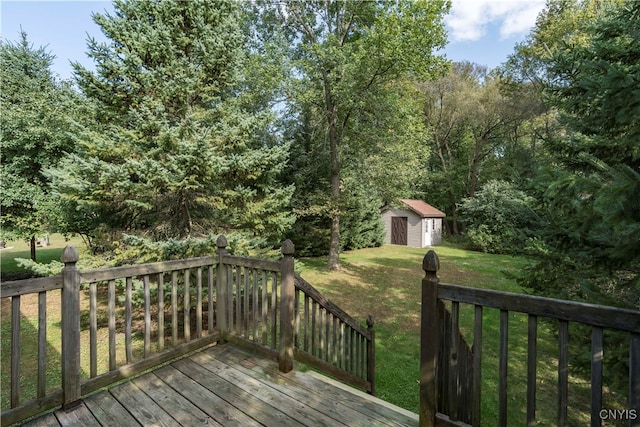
{"points": [[591, 190], [36, 113], [175, 152]]}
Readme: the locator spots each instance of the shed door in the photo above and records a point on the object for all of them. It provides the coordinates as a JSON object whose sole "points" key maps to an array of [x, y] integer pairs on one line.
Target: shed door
{"points": [[399, 230]]}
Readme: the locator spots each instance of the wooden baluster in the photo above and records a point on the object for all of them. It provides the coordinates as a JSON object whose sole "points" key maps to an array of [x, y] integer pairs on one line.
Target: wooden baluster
{"points": [[265, 307], [274, 312], [597, 354], [634, 377], [147, 316], [127, 326], [255, 305], [306, 323], [210, 318], [371, 356], [199, 302], [454, 365], [477, 366], [296, 308], [160, 312], [174, 308], [532, 350], [112, 324], [502, 368], [42, 344], [563, 371], [93, 331], [15, 351], [187, 305]]}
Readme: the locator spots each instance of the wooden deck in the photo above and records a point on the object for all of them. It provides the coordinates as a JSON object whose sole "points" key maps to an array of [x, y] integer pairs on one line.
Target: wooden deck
{"points": [[226, 386]]}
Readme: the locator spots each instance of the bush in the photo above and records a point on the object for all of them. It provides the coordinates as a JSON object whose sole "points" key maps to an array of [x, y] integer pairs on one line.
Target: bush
{"points": [[499, 218]]}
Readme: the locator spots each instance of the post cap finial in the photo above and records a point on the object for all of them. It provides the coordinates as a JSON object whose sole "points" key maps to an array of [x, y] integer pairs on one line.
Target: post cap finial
{"points": [[288, 248], [370, 321], [69, 255], [431, 262], [221, 242]]}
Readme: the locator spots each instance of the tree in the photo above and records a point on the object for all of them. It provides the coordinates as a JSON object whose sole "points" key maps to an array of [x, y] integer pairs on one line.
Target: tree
{"points": [[37, 111], [342, 54], [591, 196], [499, 218], [178, 150], [471, 124]]}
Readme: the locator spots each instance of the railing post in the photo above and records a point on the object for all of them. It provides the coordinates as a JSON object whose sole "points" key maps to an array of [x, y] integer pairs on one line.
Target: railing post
{"points": [[429, 339], [222, 299], [371, 356], [285, 353], [70, 328]]}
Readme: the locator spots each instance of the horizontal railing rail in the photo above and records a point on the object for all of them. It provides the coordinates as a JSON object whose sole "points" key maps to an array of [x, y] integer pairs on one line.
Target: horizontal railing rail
{"points": [[574, 311], [443, 410], [30, 286]]}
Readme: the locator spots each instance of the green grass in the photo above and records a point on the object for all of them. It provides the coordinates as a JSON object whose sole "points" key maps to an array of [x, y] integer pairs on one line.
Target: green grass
{"points": [[386, 282], [20, 249]]}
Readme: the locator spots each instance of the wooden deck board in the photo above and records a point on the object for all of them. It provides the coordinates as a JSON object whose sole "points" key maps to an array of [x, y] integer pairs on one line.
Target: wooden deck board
{"points": [[240, 398], [372, 409], [108, 411], [214, 406], [309, 393], [226, 386]]}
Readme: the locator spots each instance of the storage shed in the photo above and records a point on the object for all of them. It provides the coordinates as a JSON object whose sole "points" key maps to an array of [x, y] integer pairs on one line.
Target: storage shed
{"points": [[415, 223]]}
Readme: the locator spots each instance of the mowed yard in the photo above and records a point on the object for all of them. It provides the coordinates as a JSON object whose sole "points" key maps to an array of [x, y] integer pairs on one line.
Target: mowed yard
{"points": [[386, 282]]}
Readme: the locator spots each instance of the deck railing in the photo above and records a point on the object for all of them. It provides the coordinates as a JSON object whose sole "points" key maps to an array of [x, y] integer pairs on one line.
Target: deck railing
{"points": [[276, 312], [465, 388], [136, 317], [327, 338]]}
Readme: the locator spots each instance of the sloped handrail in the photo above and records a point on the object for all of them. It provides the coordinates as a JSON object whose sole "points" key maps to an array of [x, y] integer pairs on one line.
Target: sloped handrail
{"points": [[329, 339]]}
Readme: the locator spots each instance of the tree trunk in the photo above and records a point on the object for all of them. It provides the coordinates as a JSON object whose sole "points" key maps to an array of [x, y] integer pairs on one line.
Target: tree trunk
{"points": [[33, 248], [334, 243], [332, 123]]}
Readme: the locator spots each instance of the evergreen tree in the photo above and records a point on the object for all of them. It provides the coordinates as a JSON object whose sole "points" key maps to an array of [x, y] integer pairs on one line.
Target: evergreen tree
{"points": [[36, 114], [176, 151], [591, 191]]}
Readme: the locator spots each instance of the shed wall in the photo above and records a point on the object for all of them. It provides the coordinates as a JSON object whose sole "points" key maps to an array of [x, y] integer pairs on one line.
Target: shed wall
{"points": [[414, 226]]}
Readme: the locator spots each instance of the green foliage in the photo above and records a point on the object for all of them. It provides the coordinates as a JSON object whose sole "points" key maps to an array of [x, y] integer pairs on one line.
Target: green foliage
{"points": [[499, 218], [343, 60], [36, 115], [175, 152], [589, 194], [360, 226], [475, 131]]}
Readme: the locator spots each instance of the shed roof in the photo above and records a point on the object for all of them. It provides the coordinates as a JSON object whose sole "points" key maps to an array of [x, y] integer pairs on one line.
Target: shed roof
{"points": [[423, 208]]}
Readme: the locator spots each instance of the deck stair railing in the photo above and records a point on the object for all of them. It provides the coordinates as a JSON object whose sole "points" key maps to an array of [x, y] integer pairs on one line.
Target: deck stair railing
{"points": [[273, 310], [137, 317], [461, 404]]}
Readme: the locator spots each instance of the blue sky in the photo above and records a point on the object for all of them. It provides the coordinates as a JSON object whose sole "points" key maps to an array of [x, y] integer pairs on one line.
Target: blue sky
{"points": [[481, 31]]}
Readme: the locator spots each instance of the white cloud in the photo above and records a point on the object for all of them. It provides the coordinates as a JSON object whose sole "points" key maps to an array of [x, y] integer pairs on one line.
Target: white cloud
{"points": [[469, 18]]}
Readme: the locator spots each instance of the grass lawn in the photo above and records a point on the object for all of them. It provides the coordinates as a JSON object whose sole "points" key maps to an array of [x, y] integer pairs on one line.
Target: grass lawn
{"points": [[20, 249], [386, 282]]}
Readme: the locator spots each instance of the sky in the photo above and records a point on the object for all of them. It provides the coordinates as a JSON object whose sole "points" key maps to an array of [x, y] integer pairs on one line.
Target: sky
{"points": [[480, 31]]}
